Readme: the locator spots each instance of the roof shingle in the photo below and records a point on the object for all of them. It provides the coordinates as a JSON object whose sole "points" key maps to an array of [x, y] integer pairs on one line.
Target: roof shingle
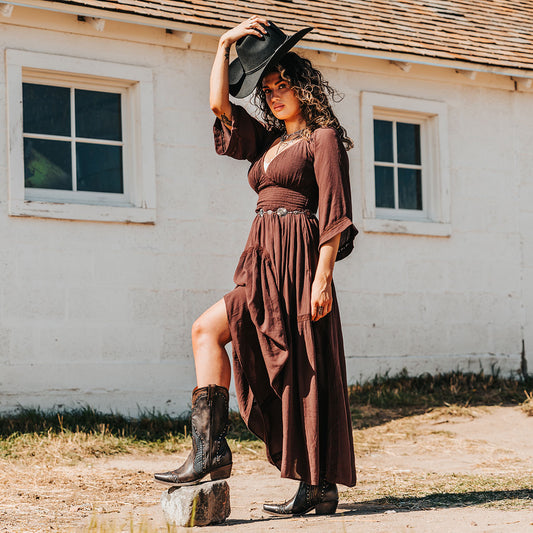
{"points": [[488, 32]]}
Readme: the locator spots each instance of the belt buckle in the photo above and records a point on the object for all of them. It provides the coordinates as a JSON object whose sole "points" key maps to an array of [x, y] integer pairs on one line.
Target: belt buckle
{"points": [[281, 211]]}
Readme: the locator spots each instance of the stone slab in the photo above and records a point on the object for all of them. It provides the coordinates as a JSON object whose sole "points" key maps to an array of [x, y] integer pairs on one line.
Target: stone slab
{"points": [[197, 505]]}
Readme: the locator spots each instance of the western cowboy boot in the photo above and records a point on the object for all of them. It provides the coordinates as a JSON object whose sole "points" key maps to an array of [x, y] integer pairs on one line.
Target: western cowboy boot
{"points": [[210, 452], [322, 498]]}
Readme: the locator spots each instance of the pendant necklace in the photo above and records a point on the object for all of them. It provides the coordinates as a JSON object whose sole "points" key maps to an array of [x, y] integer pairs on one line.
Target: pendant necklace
{"points": [[286, 137]]}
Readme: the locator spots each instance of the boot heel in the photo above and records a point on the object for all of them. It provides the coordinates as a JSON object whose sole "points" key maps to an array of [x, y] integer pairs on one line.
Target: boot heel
{"points": [[326, 507], [221, 473]]}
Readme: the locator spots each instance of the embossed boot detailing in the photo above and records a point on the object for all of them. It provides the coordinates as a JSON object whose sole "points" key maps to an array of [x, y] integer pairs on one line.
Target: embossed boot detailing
{"points": [[210, 452], [322, 498]]}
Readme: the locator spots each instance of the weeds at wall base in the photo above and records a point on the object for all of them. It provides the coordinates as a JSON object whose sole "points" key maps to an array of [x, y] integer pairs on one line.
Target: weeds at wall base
{"points": [[79, 433]]}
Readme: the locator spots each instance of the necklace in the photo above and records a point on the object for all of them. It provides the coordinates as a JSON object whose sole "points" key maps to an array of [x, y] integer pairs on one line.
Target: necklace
{"points": [[287, 137]]}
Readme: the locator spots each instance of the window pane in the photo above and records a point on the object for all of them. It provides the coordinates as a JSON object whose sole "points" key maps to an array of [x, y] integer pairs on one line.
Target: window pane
{"points": [[98, 115], [409, 188], [47, 164], [45, 109], [99, 167], [383, 141], [408, 139], [384, 186]]}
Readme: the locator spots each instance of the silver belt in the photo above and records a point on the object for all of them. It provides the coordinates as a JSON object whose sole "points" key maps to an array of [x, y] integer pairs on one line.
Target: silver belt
{"points": [[282, 211]]}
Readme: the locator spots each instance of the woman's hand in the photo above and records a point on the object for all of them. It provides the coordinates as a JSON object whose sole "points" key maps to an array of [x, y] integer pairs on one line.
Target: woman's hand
{"points": [[321, 292], [218, 82], [321, 297], [252, 26]]}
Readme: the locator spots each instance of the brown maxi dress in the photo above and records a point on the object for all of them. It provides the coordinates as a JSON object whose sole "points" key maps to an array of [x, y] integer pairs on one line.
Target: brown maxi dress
{"points": [[290, 372]]}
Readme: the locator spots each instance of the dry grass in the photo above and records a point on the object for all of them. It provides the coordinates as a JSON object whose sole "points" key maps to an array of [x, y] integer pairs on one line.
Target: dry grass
{"points": [[409, 428], [388, 406], [527, 405], [51, 468], [411, 491], [97, 525], [66, 438], [69, 448]]}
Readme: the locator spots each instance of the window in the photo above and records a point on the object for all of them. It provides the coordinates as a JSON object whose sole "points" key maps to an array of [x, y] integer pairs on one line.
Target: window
{"points": [[404, 156], [397, 165], [72, 139], [81, 144]]}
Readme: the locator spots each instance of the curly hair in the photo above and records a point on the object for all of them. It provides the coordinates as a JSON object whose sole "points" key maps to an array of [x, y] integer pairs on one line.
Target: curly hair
{"points": [[312, 91]]}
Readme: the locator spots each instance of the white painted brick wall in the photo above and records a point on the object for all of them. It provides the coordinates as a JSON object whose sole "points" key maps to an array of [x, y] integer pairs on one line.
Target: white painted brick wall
{"points": [[100, 314]]}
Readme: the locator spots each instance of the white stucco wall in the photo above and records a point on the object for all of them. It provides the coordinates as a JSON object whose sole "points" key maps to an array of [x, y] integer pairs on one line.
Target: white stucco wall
{"points": [[431, 304], [100, 313]]}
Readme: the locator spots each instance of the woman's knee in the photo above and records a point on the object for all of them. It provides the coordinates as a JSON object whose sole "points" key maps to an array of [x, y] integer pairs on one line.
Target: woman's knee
{"points": [[200, 329], [212, 325], [206, 329]]}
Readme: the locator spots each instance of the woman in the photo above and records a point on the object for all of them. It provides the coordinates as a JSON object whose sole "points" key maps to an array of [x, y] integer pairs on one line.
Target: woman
{"points": [[282, 317]]}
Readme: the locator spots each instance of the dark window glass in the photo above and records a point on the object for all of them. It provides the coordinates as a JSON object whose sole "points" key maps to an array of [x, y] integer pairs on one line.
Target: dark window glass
{"points": [[384, 186], [409, 188], [46, 109], [47, 164], [99, 168], [408, 140], [383, 141], [98, 115]]}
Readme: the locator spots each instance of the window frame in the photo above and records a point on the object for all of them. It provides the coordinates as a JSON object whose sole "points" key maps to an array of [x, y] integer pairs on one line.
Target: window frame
{"points": [[434, 219], [135, 84], [406, 214], [75, 196]]}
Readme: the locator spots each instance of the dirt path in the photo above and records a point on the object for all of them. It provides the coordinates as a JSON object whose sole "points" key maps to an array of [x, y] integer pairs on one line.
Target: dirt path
{"points": [[445, 471]]}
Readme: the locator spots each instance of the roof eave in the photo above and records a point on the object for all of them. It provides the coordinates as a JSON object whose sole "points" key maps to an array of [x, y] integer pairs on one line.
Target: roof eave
{"points": [[130, 18], [418, 59]]}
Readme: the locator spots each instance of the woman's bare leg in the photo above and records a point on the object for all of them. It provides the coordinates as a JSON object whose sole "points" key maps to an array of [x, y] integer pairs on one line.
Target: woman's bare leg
{"points": [[210, 333]]}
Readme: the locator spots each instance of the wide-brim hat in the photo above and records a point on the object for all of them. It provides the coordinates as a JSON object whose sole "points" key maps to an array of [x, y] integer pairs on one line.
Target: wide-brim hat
{"points": [[255, 54]]}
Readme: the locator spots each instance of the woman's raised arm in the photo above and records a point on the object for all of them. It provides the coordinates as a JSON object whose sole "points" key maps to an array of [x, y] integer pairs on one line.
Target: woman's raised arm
{"points": [[219, 84]]}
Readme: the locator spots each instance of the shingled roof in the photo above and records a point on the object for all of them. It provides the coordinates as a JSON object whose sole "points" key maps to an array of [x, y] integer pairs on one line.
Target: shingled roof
{"points": [[498, 33]]}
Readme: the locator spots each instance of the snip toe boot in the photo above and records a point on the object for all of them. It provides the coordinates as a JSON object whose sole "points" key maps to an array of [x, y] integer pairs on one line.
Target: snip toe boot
{"points": [[322, 498], [210, 452]]}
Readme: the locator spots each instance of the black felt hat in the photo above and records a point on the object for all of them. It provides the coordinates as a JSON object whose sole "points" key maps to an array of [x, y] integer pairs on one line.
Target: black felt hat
{"points": [[255, 54]]}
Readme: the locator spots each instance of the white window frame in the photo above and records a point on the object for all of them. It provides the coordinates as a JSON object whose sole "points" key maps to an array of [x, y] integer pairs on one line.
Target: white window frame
{"points": [[434, 219], [135, 84]]}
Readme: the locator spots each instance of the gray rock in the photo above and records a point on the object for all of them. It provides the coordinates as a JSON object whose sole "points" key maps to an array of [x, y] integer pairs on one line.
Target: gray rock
{"points": [[197, 505]]}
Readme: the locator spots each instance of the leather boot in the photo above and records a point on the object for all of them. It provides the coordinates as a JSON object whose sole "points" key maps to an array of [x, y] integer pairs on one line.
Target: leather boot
{"points": [[210, 452], [322, 498]]}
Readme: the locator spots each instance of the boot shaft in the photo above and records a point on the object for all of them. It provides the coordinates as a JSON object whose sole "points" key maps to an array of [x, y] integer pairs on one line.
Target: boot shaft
{"points": [[210, 452], [210, 419]]}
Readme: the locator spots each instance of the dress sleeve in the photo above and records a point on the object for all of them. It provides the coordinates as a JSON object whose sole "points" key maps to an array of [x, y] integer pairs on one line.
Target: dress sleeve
{"points": [[334, 197], [246, 140]]}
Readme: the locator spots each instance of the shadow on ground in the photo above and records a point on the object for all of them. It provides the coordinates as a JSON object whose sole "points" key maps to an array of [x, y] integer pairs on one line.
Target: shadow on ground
{"points": [[435, 500], [408, 504]]}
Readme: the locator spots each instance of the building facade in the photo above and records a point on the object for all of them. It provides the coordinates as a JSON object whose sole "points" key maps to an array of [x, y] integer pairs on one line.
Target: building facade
{"points": [[120, 224]]}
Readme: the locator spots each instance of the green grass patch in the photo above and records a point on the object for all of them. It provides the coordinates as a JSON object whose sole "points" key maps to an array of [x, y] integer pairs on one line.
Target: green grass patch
{"points": [[386, 398], [427, 390]]}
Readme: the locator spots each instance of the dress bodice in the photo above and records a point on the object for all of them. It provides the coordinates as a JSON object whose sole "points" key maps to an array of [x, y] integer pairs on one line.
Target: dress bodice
{"points": [[291, 169], [311, 173]]}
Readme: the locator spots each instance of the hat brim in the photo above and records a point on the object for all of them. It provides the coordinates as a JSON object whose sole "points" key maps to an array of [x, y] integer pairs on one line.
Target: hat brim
{"points": [[242, 85]]}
